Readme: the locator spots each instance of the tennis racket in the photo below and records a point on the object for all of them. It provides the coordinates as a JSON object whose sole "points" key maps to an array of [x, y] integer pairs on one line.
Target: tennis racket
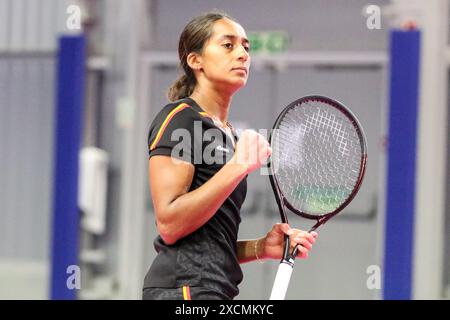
{"points": [[318, 161]]}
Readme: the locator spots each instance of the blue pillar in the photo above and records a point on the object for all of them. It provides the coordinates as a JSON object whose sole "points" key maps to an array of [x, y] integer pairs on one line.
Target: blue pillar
{"points": [[401, 165], [68, 116]]}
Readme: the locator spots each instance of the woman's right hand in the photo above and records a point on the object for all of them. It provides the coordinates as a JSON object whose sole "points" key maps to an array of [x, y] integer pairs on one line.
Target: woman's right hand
{"points": [[252, 150]]}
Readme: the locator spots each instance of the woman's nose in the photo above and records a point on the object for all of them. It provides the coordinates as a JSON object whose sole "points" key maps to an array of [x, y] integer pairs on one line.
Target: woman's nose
{"points": [[243, 54]]}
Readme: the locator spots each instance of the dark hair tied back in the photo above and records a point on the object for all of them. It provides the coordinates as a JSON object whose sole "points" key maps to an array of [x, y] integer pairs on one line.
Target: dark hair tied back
{"points": [[192, 39]]}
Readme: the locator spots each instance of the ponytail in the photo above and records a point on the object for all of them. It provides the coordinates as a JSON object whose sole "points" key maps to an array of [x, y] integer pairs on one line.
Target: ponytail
{"points": [[181, 88]]}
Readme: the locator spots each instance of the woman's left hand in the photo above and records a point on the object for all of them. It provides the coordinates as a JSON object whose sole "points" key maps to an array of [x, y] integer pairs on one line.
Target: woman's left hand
{"points": [[273, 243]]}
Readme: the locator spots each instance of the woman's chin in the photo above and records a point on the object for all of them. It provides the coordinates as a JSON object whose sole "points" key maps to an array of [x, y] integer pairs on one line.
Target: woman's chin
{"points": [[233, 85], [239, 83]]}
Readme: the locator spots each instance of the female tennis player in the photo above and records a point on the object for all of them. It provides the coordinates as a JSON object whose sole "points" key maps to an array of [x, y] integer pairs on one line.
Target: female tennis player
{"points": [[198, 170]]}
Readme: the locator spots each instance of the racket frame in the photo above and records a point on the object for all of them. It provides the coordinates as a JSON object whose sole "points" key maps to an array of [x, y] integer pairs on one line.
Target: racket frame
{"points": [[284, 273], [281, 200]]}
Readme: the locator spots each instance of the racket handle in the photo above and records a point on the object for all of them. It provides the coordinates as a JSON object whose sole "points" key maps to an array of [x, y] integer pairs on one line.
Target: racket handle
{"points": [[281, 281]]}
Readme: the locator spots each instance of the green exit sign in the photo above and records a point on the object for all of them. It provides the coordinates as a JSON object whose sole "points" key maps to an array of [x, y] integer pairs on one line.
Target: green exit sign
{"points": [[268, 41]]}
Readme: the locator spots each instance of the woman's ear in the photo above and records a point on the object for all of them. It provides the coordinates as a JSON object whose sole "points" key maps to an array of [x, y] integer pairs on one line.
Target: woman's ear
{"points": [[194, 61]]}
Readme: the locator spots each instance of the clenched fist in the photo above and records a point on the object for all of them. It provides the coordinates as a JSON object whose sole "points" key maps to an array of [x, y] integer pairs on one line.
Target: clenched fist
{"points": [[252, 150]]}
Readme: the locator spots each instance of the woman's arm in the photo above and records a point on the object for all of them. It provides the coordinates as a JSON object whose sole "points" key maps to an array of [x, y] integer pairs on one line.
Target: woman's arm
{"points": [[271, 246], [179, 212]]}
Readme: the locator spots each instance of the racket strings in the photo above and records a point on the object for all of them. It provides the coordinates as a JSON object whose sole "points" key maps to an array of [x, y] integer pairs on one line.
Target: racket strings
{"points": [[317, 155]]}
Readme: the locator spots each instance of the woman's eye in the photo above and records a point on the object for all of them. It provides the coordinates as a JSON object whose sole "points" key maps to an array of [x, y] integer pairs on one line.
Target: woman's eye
{"points": [[247, 48], [228, 45]]}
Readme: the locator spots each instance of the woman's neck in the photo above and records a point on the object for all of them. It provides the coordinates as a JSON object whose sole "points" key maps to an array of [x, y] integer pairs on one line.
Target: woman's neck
{"points": [[214, 103]]}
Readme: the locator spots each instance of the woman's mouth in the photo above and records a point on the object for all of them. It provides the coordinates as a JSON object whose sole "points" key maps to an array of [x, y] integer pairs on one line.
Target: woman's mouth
{"points": [[241, 69]]}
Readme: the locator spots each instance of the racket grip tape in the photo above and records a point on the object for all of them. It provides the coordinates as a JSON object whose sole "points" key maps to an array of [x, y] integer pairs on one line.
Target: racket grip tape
{"points": [[281, 281]]}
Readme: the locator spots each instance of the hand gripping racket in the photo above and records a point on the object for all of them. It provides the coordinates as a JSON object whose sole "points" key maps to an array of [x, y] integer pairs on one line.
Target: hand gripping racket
{"points": [[317, 165]]}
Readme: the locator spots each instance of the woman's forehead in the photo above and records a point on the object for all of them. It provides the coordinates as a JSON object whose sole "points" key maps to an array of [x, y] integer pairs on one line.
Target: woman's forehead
{"points": [[224, 27]]}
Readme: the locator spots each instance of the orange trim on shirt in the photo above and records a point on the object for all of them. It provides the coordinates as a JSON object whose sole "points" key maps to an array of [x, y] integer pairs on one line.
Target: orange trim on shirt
{"points": [[205, 114], [186, 293], [166, 123]]}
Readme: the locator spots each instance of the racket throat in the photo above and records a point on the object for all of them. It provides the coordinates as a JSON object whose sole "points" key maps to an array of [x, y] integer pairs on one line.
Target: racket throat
{"points": [[319, 222]]}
